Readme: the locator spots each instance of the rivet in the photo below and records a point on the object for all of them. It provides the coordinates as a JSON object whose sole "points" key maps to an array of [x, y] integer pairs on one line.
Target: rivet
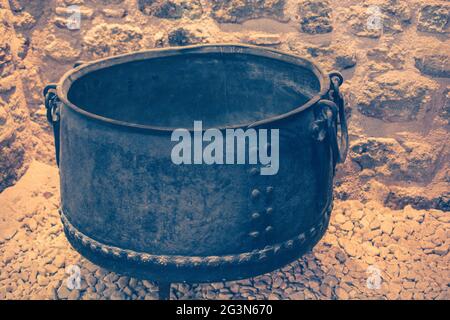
{"points": [[269, 210], [269, 229], [269, 190], [254, 234], [301, 237], [254, 171], [256, 215], [255, 193], [289, 244]]}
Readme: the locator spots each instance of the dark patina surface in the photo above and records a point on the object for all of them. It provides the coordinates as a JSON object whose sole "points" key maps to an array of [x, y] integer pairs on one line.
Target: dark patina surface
{"points": [[126, 206]]}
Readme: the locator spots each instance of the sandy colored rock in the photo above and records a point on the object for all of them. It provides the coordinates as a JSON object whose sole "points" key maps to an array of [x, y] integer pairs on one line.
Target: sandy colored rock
{"points": [[347, 226], [262, 39], [374, 18], [396, 96], [434, 18], [394, 91], [85, 12], [385, 57], [183, 37], [62, 51], [315, 16], [391, 159], [63, 292], [112, 39], [114, 13], [237, 11], [387, 226], [421, 198], [13, 115], [434, 61], [171, 9]]}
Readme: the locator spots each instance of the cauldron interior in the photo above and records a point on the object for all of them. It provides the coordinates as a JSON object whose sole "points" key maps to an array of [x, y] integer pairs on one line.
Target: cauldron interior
{"points": [[173, 91]]}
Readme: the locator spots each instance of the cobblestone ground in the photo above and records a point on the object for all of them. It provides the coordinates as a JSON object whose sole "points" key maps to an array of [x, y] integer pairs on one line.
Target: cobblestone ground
{"points": [[407, 249]]}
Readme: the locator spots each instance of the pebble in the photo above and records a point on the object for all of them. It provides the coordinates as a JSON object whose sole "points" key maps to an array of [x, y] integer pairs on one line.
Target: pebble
{"points": [[63, 292], [59, 261], [387, 226], [348, 226], [91, 280]]}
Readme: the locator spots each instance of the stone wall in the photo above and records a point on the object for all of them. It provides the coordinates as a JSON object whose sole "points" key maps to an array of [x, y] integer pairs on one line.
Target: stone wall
{"points": [[14, 115], [394, 55]]}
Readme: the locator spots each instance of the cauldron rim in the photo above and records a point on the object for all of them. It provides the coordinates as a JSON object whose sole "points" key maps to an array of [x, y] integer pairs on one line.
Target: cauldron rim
{"points": [[83, 69]]}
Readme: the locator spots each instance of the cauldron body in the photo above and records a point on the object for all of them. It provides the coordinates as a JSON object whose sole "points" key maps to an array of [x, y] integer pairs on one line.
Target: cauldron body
{"points": [[126, 206]]}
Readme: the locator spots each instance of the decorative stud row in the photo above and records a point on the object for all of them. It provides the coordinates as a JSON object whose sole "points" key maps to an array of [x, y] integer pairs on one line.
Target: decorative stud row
{"points": [[143, 258]]}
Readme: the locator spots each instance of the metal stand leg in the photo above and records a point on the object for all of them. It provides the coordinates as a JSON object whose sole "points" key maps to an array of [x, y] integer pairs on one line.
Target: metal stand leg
{"points": [[164, 290]]}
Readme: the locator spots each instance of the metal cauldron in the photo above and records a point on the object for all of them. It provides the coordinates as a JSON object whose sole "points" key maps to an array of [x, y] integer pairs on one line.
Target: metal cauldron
{"points": [[127, 207]]}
